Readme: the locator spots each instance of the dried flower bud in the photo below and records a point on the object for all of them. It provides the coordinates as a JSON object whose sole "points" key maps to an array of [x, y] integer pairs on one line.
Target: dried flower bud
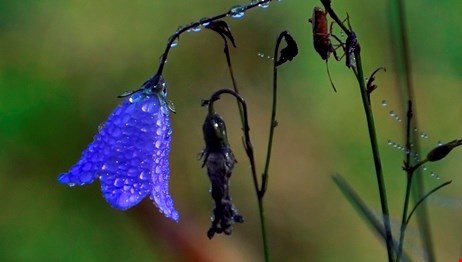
{"points": [[219, 159], [290, 51], [442, 151]]}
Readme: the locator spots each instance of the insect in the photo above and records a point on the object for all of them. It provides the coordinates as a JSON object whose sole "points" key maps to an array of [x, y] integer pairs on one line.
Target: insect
{"points": [[322, 39], [129, 155], [321, 33]]}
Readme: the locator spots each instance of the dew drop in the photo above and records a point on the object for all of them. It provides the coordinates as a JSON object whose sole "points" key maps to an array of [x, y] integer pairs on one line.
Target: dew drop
{"points": [[237, 11], [392, 113], [135, 97], [264, 5], [390, 142], [71, 184], [424, 168], [196, 28], [432, 174], [203, 23], [384, 103], [439, 143], [174, 43]]}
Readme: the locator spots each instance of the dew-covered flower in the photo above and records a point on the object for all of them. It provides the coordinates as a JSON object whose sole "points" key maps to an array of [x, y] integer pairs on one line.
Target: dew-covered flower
{"points": [[219, 160], [130, 152]]}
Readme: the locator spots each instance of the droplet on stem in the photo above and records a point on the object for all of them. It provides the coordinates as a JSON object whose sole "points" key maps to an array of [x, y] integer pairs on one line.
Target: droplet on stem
{"points": [[237, 11], [264, 5]]}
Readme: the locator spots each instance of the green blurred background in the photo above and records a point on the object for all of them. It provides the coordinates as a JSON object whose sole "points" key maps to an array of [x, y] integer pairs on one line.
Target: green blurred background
{"points": [[62, 64]]}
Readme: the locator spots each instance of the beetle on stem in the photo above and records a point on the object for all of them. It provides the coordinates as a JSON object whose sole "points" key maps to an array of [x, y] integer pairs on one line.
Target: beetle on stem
{"points": [[321, 37]]}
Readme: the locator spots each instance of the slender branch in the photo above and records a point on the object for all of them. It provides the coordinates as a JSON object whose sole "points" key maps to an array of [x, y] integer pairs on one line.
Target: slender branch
{"points": [[409, 175], [372, 133], [233, 79], [183, 29], [273, 122], [403, 56], [425, 197]]}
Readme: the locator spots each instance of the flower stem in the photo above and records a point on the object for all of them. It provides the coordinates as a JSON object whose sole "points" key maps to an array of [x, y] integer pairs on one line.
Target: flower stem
{"points": [[376, 155], [250, 154]]}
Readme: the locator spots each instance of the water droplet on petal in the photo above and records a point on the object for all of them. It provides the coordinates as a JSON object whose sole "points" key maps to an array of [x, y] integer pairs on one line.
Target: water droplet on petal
{"points": [[135, 97]]}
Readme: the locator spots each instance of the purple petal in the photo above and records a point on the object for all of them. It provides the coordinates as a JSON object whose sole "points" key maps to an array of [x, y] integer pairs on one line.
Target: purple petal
{"points": [[130, 155]]}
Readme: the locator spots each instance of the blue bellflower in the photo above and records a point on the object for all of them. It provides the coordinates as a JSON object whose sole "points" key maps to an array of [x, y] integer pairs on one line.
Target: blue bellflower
{"points": [[129, 154]]}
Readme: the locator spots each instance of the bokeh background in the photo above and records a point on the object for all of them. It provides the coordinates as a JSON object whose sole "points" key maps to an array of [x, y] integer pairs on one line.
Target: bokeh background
{"points": [[63, 63]]}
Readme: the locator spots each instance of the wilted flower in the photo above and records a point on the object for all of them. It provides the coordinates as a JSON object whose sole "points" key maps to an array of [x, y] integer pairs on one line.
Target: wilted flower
{"points": [[130, 152], [220, 161]]}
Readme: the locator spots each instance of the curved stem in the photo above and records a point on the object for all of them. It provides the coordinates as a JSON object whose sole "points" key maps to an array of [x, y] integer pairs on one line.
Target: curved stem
{"points": [[233, 79], [425, 197], [250, 154], [183, 29]]}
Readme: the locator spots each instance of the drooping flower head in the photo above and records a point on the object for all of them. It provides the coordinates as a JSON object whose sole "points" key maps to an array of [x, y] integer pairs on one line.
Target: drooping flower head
{"points": [[220, 161], [130, 152]]}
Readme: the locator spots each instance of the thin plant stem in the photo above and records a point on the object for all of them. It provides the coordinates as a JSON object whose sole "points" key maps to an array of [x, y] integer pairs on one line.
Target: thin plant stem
{"points": [[418, 189], [183, 29], [273, 122], [250, 154], [425, 197], [409, 176], [233, 80], [401, 49], [376, 156], [372, 133], [402, 230]]}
